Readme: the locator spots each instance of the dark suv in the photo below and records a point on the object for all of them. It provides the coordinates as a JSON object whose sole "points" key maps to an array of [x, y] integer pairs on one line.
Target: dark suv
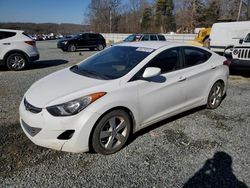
{"points": [[84, 40]]}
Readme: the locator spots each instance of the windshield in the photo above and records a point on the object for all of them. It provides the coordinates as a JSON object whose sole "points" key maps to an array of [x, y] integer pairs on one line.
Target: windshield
{"points": [[247, 39], [112, 63], [132, 38]]}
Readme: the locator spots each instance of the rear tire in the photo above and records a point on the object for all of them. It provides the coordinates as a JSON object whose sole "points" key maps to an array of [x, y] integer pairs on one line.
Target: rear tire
{"points": [[100, 47], [111, 133], [215, 95], [16, 61], [71, 48]]}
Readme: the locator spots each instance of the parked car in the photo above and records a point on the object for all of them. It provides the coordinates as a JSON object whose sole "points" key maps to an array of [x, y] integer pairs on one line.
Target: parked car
{"points": [[16, 49], [99, 102], [84, 40], [144, 37], [241, 54]]}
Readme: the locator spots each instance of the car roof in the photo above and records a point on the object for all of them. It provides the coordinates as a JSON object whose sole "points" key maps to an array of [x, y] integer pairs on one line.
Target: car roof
{"points": [[152, 44], [12, 30]]}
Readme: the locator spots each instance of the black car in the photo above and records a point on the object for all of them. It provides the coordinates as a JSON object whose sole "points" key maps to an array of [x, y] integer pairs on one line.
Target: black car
{"points": [[84, 40]]}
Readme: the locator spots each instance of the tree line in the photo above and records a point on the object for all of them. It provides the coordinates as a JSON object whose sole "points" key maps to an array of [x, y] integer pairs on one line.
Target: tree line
{"points": [[162, 15]]}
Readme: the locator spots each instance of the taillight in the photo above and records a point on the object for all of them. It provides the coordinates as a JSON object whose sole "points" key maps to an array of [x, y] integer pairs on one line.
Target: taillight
{"points": [[30, 42], [227, 62]]}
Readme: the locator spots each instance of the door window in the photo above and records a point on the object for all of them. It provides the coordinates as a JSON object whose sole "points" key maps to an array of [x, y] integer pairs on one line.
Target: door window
{"points": [[4, 35], [153, 37], [195, 56], [161, 38], [167, 60], [145, 38]]}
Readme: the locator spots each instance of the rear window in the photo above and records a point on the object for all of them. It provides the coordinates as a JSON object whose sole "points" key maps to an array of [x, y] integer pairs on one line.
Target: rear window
{"points": [[161, 37], [4, 34]]}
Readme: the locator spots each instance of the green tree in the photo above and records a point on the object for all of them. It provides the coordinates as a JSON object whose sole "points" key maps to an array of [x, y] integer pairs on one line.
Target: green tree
{"points": [[147, 19], [164, 18]]}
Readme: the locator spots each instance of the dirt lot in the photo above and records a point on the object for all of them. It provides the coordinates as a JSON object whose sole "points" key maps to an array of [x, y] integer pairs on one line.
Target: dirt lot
{"points": [[199, 148]]}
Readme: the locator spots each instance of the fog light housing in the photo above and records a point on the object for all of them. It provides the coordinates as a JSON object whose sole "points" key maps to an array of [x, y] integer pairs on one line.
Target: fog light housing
{"points": [[66, 135]]}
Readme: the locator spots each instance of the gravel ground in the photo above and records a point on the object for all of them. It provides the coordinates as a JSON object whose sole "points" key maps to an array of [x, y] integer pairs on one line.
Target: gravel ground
{"points": [[199, 148]]}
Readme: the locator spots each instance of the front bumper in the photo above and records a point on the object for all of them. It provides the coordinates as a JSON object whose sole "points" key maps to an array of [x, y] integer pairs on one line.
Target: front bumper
{"points": [[44, 129]]}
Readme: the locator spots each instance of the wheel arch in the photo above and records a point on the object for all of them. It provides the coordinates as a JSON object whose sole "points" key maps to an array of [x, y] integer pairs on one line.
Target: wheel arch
{"points": [[15, 51], [212, 84], [127, 110]]}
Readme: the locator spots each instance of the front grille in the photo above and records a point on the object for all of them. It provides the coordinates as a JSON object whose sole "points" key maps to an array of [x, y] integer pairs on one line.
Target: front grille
{"points": [[33, 131], [244, 53], [31, 108]]}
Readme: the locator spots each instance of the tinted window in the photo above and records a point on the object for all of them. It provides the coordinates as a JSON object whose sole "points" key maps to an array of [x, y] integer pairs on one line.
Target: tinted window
{"points": [[113, 62], [153, 37], [167, 60], [7, 34], [195, 56], [161, 37], [145, 38], [85, 36], [1, 35], [92, 36]]}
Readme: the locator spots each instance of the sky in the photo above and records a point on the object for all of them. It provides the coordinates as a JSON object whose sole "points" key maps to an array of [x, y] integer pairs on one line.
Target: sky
{"points": [[43, 11]]}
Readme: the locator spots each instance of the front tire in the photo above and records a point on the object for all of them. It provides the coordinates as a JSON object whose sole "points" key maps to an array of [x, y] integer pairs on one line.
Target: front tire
{"points": [[215, 95], [111, 132], [16, 61]]}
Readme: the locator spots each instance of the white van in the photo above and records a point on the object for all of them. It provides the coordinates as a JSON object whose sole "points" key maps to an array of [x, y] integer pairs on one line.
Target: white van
{"points": [[227, 34]]}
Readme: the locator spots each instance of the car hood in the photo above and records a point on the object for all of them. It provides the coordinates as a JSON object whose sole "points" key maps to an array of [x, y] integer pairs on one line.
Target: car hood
{"points": [[64, 86]]}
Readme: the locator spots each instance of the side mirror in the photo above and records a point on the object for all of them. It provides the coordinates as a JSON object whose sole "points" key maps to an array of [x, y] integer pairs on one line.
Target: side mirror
{"points": [[151, 72], [241, 41]]}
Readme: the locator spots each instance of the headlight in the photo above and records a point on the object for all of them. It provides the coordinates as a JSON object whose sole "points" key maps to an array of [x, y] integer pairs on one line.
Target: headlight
{"points": [[75, 106], [235, 52], [64, 42]]}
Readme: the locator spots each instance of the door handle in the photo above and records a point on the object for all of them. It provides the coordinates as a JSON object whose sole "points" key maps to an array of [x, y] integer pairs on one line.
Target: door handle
{"points": [[182, 78], [213, 67], [7, 43]]}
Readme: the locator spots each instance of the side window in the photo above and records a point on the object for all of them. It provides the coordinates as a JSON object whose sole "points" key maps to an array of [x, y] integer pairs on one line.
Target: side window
{"points": [[153, 37], [167, 60], [85, 36], [1, 35], [247, 39], [92, 36], [8, 34], [195, 56], [145, 38], [161, 38]]}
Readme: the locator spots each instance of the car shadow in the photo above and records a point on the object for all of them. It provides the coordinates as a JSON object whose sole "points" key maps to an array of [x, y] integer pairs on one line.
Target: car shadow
{"points": [[163, 122], [45, 64], [217, 172]]}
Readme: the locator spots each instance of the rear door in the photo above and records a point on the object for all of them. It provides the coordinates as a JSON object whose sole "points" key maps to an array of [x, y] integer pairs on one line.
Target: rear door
{"points": [[197, 71], [84, 40], [162, 95], [5, 42]]}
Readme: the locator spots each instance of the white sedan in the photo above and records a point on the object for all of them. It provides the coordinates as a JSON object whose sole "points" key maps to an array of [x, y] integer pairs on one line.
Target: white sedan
{"points": [[101, 101]]}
